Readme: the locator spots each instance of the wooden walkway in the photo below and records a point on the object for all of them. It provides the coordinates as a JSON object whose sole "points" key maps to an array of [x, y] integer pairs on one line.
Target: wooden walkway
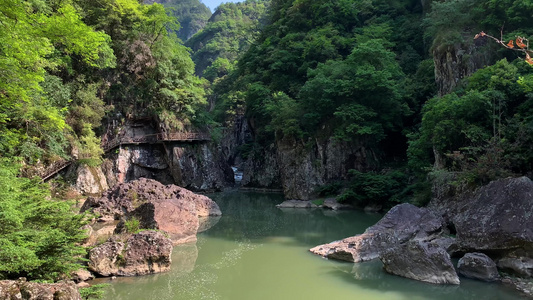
{"points": [[146, 139]]}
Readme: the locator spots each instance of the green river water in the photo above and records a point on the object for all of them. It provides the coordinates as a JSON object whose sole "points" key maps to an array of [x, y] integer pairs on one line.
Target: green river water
{"points": [[259, 252]]}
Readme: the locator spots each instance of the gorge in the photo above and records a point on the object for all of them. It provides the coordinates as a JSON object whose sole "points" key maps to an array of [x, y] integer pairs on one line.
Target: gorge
{"points": [[414, 111]]}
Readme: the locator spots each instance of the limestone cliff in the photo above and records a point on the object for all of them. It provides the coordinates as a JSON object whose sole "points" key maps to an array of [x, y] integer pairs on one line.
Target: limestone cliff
{"points": [[457, 61], [291, 165]]}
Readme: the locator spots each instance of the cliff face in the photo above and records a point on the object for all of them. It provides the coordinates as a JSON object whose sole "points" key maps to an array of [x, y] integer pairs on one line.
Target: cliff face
{"points": [[454, 62], [193, 166], [196, 165], [289, 164]]}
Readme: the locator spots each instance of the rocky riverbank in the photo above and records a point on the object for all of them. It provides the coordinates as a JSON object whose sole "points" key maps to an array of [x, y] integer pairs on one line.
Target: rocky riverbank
{"points": [[138, 223], [489, 229]]}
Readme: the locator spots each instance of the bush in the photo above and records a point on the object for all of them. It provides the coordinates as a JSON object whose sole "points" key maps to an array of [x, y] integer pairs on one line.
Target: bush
{"points": [[39, 237], [329, 189], [132, 225]]}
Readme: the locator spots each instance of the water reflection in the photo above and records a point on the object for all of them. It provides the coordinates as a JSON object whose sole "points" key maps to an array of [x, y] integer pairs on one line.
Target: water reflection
{"points": [[257, 251]]}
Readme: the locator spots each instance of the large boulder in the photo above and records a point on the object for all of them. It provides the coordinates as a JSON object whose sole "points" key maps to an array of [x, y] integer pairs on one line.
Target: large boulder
{"points": [[420, 260], [478, 266], [169, 208], [23, 290], [518, 263], [143, 253], [401, 224], [497, 217]]}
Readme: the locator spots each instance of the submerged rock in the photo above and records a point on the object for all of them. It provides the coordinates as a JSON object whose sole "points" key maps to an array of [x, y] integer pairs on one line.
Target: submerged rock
{"points": [[296, 204], [420, 260], [478, 266], [143, 253], [332, 203], [401, 224], [23, 290]]}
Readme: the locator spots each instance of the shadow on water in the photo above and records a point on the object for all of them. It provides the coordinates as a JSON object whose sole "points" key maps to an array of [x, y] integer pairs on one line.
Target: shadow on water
{"points": [[370, 275]]}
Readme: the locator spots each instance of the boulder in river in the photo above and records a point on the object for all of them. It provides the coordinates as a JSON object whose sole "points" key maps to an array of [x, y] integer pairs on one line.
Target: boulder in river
{"points": [[478, 266], [420, 260], [401, 224], [497, 217], [143, 253], [296, 204], [169, 208], [517, 263]]}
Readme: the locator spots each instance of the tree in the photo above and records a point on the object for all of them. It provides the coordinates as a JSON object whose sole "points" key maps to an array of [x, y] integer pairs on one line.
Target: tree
{"points": [[39, 237]]}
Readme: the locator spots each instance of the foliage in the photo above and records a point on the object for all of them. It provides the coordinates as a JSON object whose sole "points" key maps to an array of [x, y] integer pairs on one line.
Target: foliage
{"points": [[93, 292], [475, 130], [191, 14], [371, 187], [39, 237], [330, 189], [227, 34], [132, 225]]}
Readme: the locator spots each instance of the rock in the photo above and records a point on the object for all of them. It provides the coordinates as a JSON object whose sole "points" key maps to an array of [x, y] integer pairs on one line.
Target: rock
{"points": [[143, 253], [478, 266], [401, 224], [298, 168], [20, 289], [82, 285], [495, 218], [176, 218], [373, 208], [332, 203], [207, 222], [521, 266], [89, 232], [81, 275], [457, 61], [449, 244], [525, 286], [126, 197], [420, 260], [90, 180], [296, 204], [170, 208]]}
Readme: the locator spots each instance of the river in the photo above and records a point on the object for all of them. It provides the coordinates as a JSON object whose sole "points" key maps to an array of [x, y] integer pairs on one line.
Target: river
{"points": [[259, 252]]}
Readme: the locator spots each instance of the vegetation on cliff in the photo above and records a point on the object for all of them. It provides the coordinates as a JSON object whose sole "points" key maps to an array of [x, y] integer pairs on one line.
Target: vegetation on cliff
{"points": [[363, 72], [67, 67], [191, 14]]}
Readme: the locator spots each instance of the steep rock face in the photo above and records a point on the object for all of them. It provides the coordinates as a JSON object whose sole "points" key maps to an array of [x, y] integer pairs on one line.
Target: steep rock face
{"points": [[302, 169], [20, 289], [143, 253], [199, 167], [90, 180], [298, 169], [401, 224], [194, 166], [289, 164], [420, 260], [497, 217], [454, 62]]}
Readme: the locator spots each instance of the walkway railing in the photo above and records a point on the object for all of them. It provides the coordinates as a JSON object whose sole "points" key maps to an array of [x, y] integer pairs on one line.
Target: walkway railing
{"points": [[54, 168]]}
